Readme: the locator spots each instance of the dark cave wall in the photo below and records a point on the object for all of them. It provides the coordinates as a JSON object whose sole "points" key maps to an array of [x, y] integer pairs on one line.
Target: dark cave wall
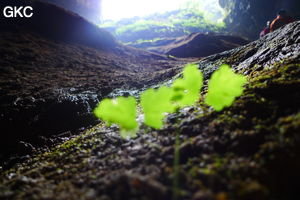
{"points": [[248, 17], [89, 9], [54, 22]]}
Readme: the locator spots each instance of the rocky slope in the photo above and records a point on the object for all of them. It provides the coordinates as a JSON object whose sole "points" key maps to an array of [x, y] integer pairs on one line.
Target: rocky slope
{"points": [[248, 151], [54, 71]]}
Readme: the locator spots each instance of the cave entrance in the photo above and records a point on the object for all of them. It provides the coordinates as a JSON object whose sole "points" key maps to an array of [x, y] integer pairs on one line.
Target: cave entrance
{"points": [[120, 9], [136, 21]]}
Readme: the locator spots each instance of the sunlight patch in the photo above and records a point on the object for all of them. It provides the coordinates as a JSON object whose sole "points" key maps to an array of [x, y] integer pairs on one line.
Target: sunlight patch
{"points": [[119, 9]]}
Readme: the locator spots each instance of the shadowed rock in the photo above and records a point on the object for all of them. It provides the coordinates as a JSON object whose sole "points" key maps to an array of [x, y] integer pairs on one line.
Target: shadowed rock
{"points": [[249, 17], [58, 24]]}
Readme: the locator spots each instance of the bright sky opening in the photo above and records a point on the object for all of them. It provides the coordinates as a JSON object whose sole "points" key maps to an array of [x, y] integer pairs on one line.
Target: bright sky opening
{"points": [[118, 9]]}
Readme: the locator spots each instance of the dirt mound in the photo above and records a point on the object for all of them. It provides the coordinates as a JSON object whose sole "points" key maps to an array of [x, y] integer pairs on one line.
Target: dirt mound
{"points": [[199, 45]]}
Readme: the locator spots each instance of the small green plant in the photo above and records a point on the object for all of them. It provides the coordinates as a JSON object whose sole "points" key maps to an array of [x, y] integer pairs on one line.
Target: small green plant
{"points": [[184, 92], [224, 86], [187, 89], [155, 104], [121, 111]]}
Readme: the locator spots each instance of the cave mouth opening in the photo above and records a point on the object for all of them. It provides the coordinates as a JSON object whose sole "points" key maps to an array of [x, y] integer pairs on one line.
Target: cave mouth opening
{"points": [[120, 9], [139, 21]]}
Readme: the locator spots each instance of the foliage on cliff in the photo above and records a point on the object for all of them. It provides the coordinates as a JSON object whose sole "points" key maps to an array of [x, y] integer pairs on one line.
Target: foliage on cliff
{"points": [[187, 19]]}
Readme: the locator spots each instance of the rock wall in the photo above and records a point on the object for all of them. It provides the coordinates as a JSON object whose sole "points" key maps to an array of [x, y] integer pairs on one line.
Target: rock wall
{"points": [[248, 17], [58, 24], [89, 9]]}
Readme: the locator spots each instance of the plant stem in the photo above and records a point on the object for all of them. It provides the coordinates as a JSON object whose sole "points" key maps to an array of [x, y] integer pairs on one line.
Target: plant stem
{"points": [[176, 167]]}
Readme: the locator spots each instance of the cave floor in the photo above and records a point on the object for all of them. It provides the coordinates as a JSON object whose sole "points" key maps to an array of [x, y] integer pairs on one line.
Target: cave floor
{"points": [[248, 151]]}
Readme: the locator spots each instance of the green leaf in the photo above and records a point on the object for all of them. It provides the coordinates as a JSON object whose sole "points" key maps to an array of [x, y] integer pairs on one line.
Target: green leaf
{"points": [[187, 89], [224, 86], [120, 111], [155, 103]]}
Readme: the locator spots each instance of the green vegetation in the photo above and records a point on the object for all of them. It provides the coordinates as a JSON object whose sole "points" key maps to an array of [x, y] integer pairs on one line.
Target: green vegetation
{"points": [[121, 111], [140, 41], [142, 25], [223, 88], [191, 17], [184, 92], [187, 89], [155, 104]]}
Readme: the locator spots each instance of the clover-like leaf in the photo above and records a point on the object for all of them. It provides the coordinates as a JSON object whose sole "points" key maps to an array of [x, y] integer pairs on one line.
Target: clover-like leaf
{"points": [[187, 89], [155, 104], [120, 111], [224, 86]]}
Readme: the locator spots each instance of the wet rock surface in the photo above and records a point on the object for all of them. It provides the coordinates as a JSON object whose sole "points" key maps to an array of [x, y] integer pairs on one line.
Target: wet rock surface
{"points": [[247, 151], [261, 54]]}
